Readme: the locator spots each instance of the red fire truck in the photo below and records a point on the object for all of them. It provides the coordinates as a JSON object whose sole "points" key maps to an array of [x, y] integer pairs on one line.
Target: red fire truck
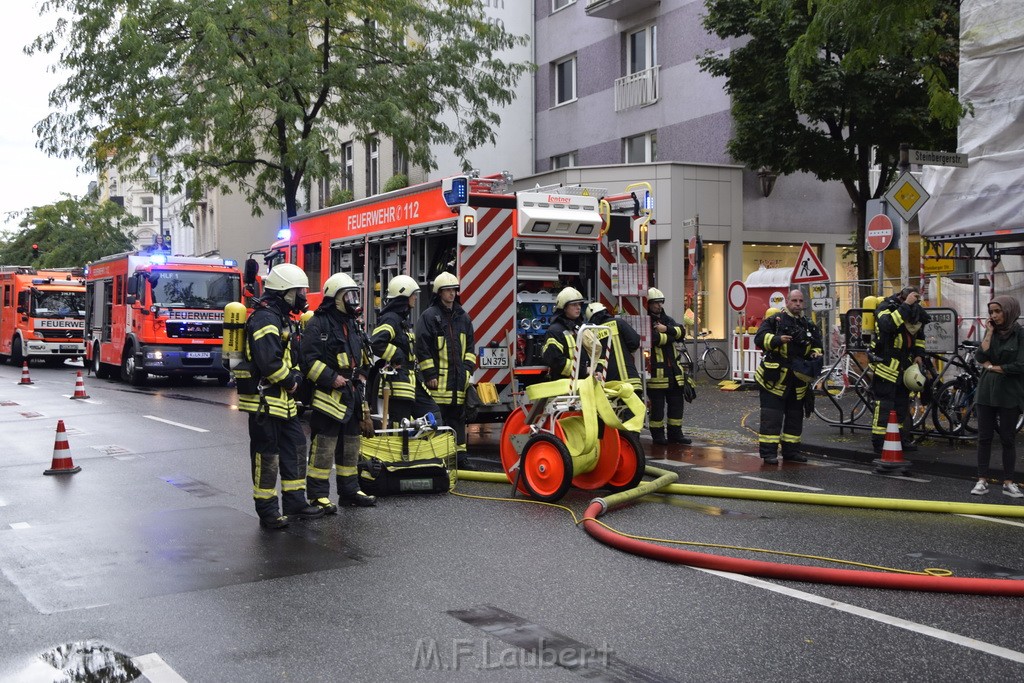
{"points": [[153, 314], [512, 253], [42, 314]]}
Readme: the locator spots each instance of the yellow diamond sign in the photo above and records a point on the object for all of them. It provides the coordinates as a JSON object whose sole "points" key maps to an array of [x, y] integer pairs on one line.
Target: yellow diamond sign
{"points": [[907, 196]]}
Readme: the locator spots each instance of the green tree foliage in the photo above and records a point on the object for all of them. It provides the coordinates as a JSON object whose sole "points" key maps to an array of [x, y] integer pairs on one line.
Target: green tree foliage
{"points": [[253, 92], [69, 234], [831, 86], [396, 182]]}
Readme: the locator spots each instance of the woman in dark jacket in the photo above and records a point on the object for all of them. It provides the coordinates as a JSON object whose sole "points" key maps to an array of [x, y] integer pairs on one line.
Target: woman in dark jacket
{"points": [[1000, 394]]}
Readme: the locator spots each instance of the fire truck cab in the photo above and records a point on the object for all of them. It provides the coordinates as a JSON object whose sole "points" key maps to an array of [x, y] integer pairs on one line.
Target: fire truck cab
{"points": [[42, 314], [153, 314]]}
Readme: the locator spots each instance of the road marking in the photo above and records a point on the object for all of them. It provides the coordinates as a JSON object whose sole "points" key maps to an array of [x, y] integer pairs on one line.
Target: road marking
{"points": [[666, 461], [914, 627], [993, 519], [714, 470], [156, 670], [20, 525], [890, 476], [174, 424], [781, 483]]}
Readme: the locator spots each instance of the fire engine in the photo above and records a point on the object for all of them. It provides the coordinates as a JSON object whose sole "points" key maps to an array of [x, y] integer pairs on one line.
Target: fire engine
{"points": [[512, 253], [42, 314], [154, 314]]}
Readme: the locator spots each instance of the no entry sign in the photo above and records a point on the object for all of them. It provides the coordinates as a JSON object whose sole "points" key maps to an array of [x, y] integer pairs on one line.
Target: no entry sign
{"points": [[737, 295], [879, 233]]}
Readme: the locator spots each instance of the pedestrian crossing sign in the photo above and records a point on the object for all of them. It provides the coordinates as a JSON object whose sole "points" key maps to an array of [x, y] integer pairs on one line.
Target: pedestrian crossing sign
{"points": [[808, 268]]}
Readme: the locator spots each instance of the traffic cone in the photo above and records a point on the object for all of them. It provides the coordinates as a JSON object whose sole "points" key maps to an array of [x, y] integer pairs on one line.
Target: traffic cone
{"points": [[80, 387], [892, 451], [25, 379], [62, 462]]}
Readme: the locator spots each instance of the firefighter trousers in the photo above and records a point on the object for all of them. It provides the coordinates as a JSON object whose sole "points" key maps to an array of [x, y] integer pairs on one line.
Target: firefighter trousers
{"points": [[277, 446], [454, 416], [782, 422], [332, 443], [402, 408], [888, 396], [673, 399]]}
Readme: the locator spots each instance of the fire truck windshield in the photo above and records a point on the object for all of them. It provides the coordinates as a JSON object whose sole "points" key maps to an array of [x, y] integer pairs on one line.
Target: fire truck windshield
{"points": [[194, 289], [54, 304]]}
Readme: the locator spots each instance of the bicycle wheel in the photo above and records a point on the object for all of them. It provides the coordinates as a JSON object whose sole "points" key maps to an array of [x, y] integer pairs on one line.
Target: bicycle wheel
{"points": [[684, 360], [948, 409], [836, 399], [917, 411], [715, 362], [865, 396]]}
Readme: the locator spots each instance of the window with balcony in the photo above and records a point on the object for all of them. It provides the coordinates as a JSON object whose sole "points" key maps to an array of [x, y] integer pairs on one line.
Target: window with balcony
{"points": [[563, 161], [641, 49], [565, 80], [640, 149], [639, 87]]}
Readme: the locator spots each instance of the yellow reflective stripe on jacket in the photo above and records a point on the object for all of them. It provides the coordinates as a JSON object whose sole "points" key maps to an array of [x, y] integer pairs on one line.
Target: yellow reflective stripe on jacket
{"points": [[569, 350]]}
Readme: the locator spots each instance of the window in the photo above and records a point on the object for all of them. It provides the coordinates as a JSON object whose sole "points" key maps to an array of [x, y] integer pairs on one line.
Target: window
{"points": [[400, 163], [640, 149], [348, 168], [559, 4], [154, 167], [641, 49], [372, 165], [113, 187], [311, 264], [563, 161], [147, 213], [324, 184], [565, 81]]}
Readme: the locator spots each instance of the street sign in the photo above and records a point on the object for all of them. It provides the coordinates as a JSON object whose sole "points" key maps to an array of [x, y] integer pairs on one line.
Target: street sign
{"points": [[737, 295], [879, 232], [808, 268], [907, 196], [938, 266], [823, 304], [928, 158]]}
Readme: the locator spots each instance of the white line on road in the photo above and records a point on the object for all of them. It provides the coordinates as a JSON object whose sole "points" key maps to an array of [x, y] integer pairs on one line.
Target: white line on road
{"points": [[949, 637], [714, 470], [665, 461], [175, 424], [994, 519], [156, 670], [782, 483], [19, 525], [891, 476]]}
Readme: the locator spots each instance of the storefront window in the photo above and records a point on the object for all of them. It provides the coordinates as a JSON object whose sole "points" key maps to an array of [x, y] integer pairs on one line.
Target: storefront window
{"points": [[710, 308]]}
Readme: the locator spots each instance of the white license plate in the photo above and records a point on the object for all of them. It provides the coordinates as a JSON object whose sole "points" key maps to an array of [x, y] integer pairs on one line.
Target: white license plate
{"points": [[68, 347], [493, 357], [197, 354]]}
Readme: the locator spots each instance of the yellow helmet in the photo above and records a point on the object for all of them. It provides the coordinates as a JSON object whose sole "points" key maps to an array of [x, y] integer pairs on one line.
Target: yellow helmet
{"points": [[913, 378], [569, 295], [337, 283], [772, 311], [655, 295], [286, 276], [402, 285], [445, 281], [595, 307]]}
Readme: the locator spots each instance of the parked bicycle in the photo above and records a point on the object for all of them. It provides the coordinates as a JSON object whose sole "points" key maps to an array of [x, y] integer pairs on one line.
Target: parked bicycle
{"points": [[712, 360]]}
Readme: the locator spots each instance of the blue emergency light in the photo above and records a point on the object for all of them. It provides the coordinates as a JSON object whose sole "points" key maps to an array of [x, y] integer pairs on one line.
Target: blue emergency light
{"points": [[158, 259], [230, 263], [455, 190], [648, 201], [284, 234]]}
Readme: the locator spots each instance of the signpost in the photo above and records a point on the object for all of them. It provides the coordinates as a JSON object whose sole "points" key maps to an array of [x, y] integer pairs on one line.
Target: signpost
{"points": [[737, 295], [808, 268], [929, 158]]}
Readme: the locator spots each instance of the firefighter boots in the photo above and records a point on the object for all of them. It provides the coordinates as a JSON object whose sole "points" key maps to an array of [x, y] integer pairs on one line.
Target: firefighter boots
{"points": [[307, 512], [357, 499], [274, 523], [675, 435], [326, 505], [658, 436]]}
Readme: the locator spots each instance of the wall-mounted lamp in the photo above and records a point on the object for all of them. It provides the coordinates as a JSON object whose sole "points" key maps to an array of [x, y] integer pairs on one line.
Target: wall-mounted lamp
{"points": [[767, 177]]}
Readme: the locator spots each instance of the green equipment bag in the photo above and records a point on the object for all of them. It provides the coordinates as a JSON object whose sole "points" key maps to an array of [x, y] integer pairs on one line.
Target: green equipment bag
{"points": [[395, 464]]}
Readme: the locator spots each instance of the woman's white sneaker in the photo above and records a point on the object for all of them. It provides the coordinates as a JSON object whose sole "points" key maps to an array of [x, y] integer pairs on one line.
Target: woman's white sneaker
{"points": [[981, 488], [1012, 490]]}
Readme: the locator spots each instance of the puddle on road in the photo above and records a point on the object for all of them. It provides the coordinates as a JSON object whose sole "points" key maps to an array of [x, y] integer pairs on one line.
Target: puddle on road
{"points": [[89, 661]]}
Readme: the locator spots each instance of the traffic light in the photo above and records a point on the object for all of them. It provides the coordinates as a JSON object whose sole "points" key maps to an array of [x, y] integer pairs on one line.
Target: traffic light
{"points": [[35, 251]]}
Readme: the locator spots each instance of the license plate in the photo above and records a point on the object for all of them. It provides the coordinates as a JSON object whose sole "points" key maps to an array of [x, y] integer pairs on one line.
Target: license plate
{"points": [[491, 357], [197, 354], [69, 347]]}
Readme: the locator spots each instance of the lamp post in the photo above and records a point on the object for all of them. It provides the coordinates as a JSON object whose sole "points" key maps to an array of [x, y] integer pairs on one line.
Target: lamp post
{"points": [[767, 177]]}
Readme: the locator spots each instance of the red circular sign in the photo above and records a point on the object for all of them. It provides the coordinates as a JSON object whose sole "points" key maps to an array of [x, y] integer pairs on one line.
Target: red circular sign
{"points": [[692, 249], [737, 295], [879, 232]]}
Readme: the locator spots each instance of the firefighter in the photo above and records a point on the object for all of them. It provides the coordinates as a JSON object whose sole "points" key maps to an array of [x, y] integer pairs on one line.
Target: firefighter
{"points": [[394, 341], [266, 378], [622, 345], [444, 347], [665, 386], [899, 344], [786, 338], [335, 359], [559, 349]]}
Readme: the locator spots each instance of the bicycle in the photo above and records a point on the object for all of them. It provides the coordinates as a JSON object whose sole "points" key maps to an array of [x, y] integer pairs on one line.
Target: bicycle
{"points": [[953, 410], [713, 360]]}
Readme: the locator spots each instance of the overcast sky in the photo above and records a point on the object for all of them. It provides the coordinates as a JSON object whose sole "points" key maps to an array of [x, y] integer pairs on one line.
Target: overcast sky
{"points": [[29, 177]]}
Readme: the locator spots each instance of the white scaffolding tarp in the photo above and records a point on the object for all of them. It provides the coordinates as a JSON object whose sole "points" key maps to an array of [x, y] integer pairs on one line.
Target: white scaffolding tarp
{"points": [[987, 197]]}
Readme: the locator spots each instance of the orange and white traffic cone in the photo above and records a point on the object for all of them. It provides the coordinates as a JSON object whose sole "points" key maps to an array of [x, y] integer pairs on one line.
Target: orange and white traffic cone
{"points": [[80, 387], [62, 462], [892, 451], [25, 379]]}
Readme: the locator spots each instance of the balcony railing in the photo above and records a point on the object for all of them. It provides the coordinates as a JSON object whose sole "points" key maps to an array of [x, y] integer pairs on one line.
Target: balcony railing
{"points": [[637, 89], [617, 9]]}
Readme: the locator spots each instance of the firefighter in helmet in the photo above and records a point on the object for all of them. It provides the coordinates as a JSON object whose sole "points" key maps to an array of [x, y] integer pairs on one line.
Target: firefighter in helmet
{"points": [[266, 378], [665, 387], [394, 341], [335, 359], [559, 349], [622, 344], [444, 348]]}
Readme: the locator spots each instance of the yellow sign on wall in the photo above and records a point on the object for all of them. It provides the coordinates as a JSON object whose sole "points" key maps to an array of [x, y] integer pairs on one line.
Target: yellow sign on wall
{"points": [[938, 266]]}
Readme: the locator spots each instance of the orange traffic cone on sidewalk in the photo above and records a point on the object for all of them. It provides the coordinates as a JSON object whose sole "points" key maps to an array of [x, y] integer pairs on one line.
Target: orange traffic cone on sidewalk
{"points": [[25, 379], [80, 387], [892, 451], [62, 462]]}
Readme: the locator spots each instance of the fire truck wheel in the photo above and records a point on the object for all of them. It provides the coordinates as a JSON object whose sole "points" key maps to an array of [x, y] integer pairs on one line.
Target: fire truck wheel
{"points": [[99, 368], [129, 371], [17, 356]]}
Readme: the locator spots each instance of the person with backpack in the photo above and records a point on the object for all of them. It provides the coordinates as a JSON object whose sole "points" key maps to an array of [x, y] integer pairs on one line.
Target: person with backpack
{"points": [[266, 379], [999, 398], [622, 344], [335, 360], [898, 345], [559, 350]]}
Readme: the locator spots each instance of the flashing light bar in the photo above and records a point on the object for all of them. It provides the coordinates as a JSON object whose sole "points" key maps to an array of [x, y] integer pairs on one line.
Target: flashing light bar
{"points": [[455, 190], [284, 234], [158, 259], [230, 262], [648, 201]]}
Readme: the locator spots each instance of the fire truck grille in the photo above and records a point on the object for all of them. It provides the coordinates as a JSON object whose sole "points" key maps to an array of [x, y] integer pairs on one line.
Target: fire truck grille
{"points": [[194, 330]]}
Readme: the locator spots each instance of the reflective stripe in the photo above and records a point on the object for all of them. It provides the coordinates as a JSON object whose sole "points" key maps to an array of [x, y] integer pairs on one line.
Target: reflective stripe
{"points": [[263, 494], [790, 438], [347, 471], [769, 438], [293, 484], [317, 473]]}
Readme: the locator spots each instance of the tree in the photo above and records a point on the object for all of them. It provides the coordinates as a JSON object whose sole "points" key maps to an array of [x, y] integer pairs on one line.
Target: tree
{"points": [[830, 87], [252, 93], [69, 234]]}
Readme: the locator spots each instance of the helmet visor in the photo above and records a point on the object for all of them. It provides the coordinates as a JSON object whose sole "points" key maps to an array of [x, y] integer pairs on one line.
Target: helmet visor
{"points": [[351, 297]]}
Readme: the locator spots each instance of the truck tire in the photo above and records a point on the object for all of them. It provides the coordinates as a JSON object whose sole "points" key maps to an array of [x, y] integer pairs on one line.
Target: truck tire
{"points": [[99, 368], [17, 352], [130, 372]]}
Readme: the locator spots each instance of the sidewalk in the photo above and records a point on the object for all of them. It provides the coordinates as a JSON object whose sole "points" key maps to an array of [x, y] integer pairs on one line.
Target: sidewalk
{"points": [[732, 417]]}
